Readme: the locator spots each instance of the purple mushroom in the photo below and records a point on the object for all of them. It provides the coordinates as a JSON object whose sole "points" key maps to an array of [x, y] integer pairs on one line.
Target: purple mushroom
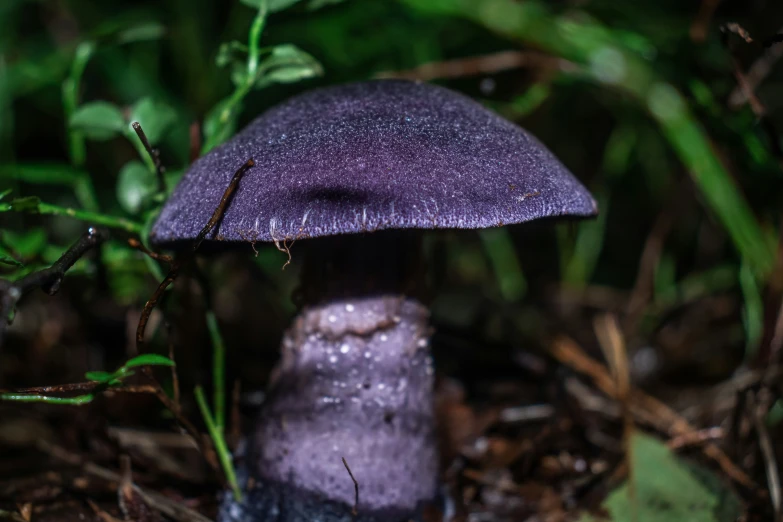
{"points": [[355, 379]]}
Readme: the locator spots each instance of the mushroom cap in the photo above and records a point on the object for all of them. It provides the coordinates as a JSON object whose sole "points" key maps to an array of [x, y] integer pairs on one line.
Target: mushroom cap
{"points": [[384, 154]]}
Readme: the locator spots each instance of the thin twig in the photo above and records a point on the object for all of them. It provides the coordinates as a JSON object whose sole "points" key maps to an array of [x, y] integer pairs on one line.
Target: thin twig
{"points": [[103, 515], [85, 386], [183, 421], [747, 88], [696, 437], [48, 279], [217, 215], [135, 243], [60, 388], [612, 343], [172, 274], [194, 132], [162, 503], [770, 463], [174, 376], [756, 74], [650, 259], [736, 29], [355, 510], [701, 23], [131, 503], [644, 407], [484, 64], [776, 342], [160, 170]]}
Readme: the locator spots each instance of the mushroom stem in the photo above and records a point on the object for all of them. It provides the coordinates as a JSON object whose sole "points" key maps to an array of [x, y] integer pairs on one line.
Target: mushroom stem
{"points": [[355, 382]]}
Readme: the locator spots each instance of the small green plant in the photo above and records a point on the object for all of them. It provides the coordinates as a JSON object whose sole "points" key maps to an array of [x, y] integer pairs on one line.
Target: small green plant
{"points": [[100, 381], [141, 189]]}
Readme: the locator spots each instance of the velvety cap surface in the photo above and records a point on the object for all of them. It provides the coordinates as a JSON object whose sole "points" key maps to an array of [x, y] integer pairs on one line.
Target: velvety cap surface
{"points": [[370, 156]]}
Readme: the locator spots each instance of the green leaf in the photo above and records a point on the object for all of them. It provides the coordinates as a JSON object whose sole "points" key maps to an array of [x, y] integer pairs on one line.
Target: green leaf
{"points": [[136, 185], [287, 64], [273, 5], [221, 122], [233, 55], [752, 311], [665, 276], [99, 376], [666, 489], [26, 244], [227, 52], [149, 359], [8, 260], [112, 379], [775, 414], [37, 173], [239, 75], [141, 32], [27, 204], [531, 99], [98, 120], [314, 5], [5, 193], [55, 174], [508, 271], [155, 117]]}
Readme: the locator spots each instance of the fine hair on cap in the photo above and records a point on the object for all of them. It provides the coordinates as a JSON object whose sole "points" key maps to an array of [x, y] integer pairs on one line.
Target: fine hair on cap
{"points": [[383, 154]]}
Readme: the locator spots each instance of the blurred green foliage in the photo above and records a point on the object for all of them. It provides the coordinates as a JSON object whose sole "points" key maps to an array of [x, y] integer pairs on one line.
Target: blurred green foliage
{"points": [[103, 380], [635, 105]]}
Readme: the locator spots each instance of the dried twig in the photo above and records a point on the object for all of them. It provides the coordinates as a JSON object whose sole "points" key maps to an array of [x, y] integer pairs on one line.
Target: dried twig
{"points": [[532, 413], [162, 503], [48, 279], [217, 215], [135, 243], [742, 83], [651, 256], [696, 437], [355, 510], [613, 346], [103, 515], [770, 463], [776, 342], [612, 343], [175, 393], [747, 88], [485, 64], [701, 23], [194, 132], [756, 74], [160, 170], [131, 502], [643, 407], [171, 276], [85, 386]]}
